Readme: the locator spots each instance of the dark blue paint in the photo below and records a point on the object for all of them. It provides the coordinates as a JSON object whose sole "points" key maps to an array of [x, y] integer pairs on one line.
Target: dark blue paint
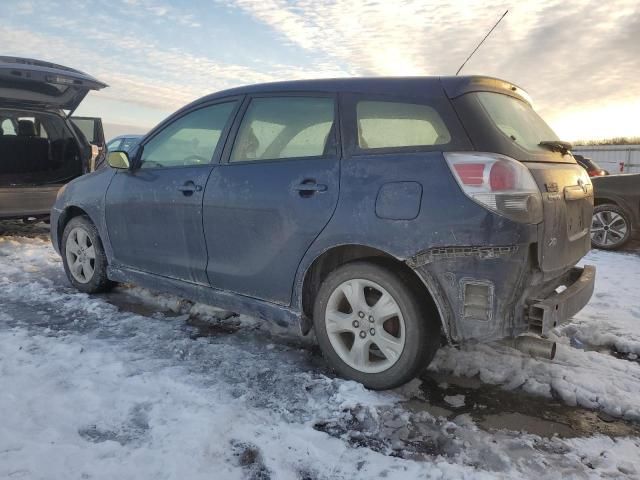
{"points": [[154, 225], [258, 225], [247, 240], [399, 200]]}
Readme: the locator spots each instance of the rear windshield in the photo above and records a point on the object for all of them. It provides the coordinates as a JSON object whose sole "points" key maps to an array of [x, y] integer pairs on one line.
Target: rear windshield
{"points": [[517, 120]]}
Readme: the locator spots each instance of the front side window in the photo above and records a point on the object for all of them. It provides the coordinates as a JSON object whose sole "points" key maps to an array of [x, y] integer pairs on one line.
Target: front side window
{"points": [[383, 124], [190, 140], [285, 127]]}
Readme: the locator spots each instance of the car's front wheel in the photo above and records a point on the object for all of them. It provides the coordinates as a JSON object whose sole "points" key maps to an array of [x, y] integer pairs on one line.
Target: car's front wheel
{"points": [[610, 227], [85, 262], [372, 325]]}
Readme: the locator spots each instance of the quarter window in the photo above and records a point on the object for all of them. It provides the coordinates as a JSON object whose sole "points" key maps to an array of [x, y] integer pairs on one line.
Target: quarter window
{"points": [[393, 125], [189, 140], [285, 127]]}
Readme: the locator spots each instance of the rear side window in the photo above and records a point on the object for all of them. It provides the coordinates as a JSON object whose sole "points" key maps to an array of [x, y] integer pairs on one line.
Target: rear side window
{"points": [[384, 124], [285, 127]]}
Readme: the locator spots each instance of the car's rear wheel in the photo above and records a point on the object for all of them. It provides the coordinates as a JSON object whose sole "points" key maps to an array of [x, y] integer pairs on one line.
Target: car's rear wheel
{"points": [[373, 326], [610, 227], [85, 262]]}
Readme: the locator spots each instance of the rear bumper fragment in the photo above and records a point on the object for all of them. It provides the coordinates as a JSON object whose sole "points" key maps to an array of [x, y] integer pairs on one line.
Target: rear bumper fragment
{"points": [[545, 314]]}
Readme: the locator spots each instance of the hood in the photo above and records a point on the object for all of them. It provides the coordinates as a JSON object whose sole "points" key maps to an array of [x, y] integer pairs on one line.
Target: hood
{"points": [[25, 82]]}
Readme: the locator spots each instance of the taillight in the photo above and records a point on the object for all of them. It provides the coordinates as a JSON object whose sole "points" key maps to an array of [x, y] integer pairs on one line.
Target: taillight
{"points": [[498, 183]]}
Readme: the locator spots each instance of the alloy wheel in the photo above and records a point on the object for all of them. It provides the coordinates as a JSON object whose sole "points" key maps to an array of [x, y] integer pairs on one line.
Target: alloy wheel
{"points": [[81, 255], [365, 326], [608, 228]]}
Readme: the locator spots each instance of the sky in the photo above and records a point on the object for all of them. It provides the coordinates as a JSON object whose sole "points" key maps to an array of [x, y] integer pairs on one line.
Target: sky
{"points": [[578, 60]]}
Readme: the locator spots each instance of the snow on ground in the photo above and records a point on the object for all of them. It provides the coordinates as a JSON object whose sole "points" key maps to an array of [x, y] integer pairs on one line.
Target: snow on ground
{"points": [[91, 390], [578, 377]]}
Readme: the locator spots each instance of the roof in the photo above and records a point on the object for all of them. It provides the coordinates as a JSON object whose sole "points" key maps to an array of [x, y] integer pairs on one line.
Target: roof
{"points": [[427, 86]]}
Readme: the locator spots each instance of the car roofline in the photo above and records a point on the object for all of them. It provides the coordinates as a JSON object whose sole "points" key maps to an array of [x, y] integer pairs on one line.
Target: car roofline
{"points": [[418, 86]]}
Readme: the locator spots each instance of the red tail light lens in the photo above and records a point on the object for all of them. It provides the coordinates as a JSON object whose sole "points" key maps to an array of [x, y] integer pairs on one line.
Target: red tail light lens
{"points": [[502, 177], [470, 173], [498, 183]]}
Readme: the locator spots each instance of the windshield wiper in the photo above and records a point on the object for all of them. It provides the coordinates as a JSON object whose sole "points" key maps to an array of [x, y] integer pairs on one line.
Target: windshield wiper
{"points": [[556, 146]]}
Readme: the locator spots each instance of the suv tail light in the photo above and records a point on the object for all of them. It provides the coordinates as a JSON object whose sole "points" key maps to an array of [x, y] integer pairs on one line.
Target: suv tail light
{"points": [[498, 183]]}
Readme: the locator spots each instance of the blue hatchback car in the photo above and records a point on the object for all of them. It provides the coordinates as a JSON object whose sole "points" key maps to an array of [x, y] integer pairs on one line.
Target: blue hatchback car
{"points": [[387, 215]]}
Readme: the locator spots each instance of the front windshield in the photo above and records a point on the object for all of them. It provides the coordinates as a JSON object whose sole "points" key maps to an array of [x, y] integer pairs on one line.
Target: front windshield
{"points": [[517, 120]]}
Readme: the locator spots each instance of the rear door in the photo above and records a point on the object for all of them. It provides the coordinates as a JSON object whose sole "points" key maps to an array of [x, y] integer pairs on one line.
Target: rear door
{"points": [[276, 191], [91, 128], [154, 211]]}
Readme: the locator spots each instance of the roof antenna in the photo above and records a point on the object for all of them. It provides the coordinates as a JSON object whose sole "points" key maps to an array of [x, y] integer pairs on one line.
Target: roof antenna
{"points": [[482, 41]]}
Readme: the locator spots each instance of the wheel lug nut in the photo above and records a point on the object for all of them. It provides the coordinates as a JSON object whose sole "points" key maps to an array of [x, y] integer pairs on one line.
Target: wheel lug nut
{"points": [[361, 314], [356, 324], [371, 318], [363, 334], [372, 331]]}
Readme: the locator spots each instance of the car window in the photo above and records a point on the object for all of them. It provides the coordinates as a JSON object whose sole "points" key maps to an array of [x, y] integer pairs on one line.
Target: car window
{"points": [[189, 140], [385, 124], [114, 144], [284, 127], [8, 127], [87, 127], [516, 119]]}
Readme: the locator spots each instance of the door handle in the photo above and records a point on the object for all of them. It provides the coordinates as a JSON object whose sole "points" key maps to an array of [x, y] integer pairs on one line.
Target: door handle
{"points": [[189, 187], [310, 187]]}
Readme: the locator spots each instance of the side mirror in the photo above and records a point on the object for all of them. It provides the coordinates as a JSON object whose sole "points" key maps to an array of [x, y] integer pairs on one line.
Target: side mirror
{"points": [[119, 160]]}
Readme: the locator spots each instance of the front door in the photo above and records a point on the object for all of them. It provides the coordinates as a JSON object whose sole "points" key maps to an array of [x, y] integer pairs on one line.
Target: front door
{"points": [[154, 211], [277, 190]]}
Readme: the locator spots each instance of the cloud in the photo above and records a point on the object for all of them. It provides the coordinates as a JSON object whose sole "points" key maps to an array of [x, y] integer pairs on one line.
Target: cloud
{"points": [[151, 76], [142, 8], [567, 54]]}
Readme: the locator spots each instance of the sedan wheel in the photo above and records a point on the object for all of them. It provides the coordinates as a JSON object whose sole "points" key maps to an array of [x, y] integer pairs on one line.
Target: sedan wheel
{"points": [[365, 326], [81, 255], [610, 227]]}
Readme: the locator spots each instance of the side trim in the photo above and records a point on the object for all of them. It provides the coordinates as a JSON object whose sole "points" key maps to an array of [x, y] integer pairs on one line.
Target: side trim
{"points": [[282, 316]]}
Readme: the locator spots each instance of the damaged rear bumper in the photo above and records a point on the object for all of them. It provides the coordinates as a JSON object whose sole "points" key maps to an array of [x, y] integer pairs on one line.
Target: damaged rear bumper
{"points": [[547, 313], [490, 293]]}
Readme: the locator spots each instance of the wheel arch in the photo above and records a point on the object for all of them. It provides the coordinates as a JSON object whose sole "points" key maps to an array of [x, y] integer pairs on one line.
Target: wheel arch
{"points": [[604, 201], [332, 258], [65, 217]]}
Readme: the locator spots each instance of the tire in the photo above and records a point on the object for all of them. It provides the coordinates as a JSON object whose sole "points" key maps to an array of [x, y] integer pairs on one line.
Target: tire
{"points": [[407, 328], [610, 227], [85, 262]]}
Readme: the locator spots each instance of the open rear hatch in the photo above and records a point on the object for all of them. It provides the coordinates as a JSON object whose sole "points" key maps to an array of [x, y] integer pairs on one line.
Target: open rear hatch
{"points": [[26, 82]]}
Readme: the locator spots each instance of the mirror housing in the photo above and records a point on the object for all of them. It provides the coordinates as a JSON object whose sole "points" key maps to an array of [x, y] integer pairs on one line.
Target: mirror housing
{"points": [[119, 160]]}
